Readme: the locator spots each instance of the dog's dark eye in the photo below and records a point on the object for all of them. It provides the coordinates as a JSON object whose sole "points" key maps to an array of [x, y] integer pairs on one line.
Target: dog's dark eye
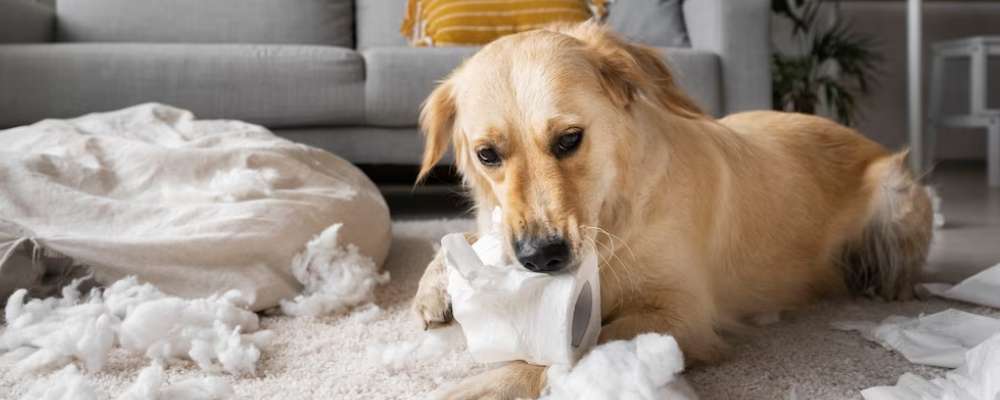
{"points": [[567, 143], [488, 156]]}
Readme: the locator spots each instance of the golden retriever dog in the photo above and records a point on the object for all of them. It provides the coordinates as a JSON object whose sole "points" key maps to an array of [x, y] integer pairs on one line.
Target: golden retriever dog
{"points": [[586, 141]]}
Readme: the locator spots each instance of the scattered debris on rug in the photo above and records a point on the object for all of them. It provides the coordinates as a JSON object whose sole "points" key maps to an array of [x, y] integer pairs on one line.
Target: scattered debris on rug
{"points": [[981, 288], [940, 339], [644, 368], [335, 278], [428, 345], [949, 339], [978, 378], [219, 333]]}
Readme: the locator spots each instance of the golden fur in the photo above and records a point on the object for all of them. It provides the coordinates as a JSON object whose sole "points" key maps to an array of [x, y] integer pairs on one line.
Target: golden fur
{"points": [[700, 223]]}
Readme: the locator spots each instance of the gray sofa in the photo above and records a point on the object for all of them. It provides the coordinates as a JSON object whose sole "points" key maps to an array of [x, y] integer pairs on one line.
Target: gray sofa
{"points": [[332, 73]]}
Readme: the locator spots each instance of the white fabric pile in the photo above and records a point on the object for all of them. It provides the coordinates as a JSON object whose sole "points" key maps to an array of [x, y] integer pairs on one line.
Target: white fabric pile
{"points": [[196, 207]]}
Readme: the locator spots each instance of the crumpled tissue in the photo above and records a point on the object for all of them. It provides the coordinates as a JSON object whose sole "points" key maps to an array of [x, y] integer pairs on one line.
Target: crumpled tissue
{"points": [[940, 339], [982, 288], [647, 367], [977, 379], [951, 339], [509, 313]]}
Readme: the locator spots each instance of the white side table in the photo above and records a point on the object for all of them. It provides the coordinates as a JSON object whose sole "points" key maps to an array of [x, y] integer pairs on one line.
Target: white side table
{"points": [[977, 49]]}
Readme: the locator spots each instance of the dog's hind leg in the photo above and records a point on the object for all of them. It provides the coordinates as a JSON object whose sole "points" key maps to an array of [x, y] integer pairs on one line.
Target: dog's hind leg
{"points": [[887, 257], [514, 380]]}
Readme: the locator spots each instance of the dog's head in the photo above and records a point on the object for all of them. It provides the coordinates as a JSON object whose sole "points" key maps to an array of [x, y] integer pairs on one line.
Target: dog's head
{"points": [[543, 125]]}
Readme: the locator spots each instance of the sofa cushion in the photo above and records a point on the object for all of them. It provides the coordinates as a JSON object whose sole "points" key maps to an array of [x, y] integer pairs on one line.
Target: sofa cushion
{"points": [[325, 22], [400, 78], [378, 23], [24, 21], [271, 85], [700, 75]]}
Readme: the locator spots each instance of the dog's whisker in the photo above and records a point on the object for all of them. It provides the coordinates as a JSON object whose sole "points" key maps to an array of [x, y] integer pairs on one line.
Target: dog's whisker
{"points": [[613, 237], [607, 263], [628, 269]]}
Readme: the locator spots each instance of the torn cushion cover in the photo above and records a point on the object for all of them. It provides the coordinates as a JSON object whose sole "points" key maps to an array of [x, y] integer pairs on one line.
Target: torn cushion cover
{"points": [[194, 207], [472, 23]]}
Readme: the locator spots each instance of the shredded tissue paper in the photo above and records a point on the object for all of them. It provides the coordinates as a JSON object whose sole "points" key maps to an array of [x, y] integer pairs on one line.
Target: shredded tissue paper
{"points": [[982, 288], [509, 313], [968, 342]]}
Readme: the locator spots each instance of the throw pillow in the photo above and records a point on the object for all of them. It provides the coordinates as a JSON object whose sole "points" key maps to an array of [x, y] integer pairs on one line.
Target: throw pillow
{"points": [[477, 22], [657, 23]]}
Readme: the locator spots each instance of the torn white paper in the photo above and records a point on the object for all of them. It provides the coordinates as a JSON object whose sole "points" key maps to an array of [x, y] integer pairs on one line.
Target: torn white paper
{"points": [[52, 332], [940, 339], [978, 378], [644, 368], [335, 278], [982, 288], [509, 313]]}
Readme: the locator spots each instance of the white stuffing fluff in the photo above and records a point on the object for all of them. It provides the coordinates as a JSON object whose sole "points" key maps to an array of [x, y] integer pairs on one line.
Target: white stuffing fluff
{"points": [[335, 278], [243, 184], [54, 332], [67, 384], [430, 344], [150, 386], [642, 368]]}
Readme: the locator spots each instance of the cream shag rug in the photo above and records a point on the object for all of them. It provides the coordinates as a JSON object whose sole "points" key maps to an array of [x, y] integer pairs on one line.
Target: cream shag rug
{"points": [[799, 357]]}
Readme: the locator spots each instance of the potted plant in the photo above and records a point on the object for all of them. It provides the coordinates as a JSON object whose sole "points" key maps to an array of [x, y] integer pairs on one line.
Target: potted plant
{"points": [[834, 64]]}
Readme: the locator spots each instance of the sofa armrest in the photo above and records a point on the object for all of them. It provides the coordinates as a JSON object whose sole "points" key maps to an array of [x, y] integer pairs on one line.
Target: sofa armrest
{"points": [[739, 32], [25, 21]]}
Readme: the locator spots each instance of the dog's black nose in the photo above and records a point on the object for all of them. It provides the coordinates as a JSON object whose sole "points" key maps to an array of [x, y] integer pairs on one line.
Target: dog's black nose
{"points": [[542, 254]]}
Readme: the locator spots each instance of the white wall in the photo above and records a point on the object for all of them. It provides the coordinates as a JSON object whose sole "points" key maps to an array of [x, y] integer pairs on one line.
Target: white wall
{"points": [[884, 110]]}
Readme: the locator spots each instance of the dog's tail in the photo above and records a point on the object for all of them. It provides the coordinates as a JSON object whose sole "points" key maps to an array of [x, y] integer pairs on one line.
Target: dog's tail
{"points": [[887, 257]]}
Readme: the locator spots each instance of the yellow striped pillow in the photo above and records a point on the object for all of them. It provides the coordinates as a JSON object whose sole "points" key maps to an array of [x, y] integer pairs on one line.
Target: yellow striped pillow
{"points": [[477, 22]]}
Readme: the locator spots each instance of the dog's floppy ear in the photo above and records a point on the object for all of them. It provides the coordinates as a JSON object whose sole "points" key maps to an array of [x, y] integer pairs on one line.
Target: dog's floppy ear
{"points": [[628, 70], [437, 121]]}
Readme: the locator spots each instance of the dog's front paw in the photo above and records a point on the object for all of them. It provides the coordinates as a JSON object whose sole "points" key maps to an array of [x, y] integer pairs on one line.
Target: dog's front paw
{"points": [[432, 306]]}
